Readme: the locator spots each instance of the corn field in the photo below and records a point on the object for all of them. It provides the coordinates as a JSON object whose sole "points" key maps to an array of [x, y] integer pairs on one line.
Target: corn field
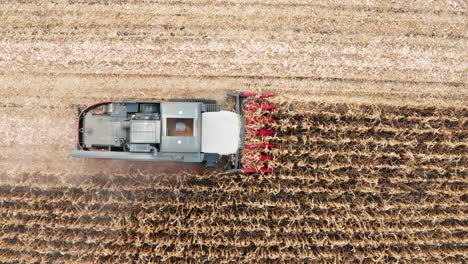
{"points": [[371, 145], [351, 183]]}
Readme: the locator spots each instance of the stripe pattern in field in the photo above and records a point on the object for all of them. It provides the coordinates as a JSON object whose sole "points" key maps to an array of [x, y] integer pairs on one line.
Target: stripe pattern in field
{"points": [[371, 163], [403, 42], [352, 183]]}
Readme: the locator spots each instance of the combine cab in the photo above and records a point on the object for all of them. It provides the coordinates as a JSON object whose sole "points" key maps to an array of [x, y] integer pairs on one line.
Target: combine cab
{"points": [[179, 130]]}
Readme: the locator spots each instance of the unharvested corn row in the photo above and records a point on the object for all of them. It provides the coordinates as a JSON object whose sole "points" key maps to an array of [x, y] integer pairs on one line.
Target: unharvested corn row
{"points": [[350, 183]]}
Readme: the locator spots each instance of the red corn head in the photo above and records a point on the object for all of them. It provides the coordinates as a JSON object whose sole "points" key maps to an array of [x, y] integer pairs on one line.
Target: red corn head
{"points": [[265, 132], [260, 132], [261, 120], [256, 121], [259, 146], [267, 107], [252, 107], [267, 95], [264, 157], [255, 157]]}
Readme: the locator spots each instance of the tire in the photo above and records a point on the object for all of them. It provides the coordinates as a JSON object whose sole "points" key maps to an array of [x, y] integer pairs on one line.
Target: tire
{"points": [[201, 100]]}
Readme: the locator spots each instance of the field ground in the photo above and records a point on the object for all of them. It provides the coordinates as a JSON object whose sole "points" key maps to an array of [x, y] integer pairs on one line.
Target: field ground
{"points": [[373, 154]]}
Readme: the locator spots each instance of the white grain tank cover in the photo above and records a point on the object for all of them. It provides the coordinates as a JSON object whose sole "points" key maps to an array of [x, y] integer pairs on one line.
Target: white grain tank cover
{"points": [[220, 132]]}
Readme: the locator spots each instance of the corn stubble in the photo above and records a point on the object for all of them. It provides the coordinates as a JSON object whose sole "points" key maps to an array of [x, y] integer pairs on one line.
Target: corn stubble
{"points": [[351, 183]]}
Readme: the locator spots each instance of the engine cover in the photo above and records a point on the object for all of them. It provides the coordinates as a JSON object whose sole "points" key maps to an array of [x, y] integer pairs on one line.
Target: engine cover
{"points": [[145, 131], [103, 130]]}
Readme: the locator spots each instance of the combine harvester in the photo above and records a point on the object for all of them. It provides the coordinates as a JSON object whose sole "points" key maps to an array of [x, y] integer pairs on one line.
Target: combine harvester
{"points": [[180, 130]]}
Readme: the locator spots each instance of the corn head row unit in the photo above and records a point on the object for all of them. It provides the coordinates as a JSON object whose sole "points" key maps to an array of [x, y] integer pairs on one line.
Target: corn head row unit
{"points": [[180, 130]]}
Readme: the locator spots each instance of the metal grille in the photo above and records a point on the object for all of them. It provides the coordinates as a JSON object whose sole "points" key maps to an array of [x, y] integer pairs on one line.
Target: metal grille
{"points": [[213, 107]]}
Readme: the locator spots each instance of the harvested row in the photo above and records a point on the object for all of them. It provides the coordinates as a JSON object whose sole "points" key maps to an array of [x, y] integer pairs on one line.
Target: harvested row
{"points": [[338, 41], [85, 89], [191, 19]]}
